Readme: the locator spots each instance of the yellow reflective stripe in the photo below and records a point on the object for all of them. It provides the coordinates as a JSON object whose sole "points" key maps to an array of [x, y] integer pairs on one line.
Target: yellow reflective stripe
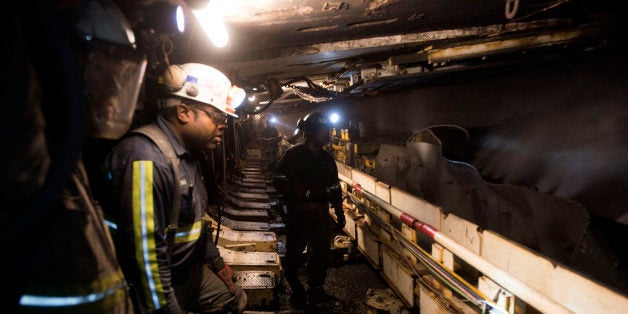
{"points": [[108, 290], [115, 280], [144, 231], [188, 233]]}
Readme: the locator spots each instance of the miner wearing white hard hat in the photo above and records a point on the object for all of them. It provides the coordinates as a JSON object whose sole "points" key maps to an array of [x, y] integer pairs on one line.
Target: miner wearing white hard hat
{"points": [[199, 87], [163, 235]]}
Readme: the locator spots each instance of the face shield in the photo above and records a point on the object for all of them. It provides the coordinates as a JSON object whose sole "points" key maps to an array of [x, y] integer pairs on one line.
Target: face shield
{"points": [[112, 71], [113, 79]]}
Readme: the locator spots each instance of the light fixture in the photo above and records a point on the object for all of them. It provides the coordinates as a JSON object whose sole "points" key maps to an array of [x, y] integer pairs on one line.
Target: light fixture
{"points": [[213, 25], [180, 18], [164, 17], [236, 96], [334, 118]]}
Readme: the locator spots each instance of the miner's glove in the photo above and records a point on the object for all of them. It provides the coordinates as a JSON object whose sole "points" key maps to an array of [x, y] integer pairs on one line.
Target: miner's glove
{"points": [[226, 274]]}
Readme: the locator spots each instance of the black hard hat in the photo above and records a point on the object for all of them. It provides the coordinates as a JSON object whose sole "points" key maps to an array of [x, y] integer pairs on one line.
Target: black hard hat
{"points": [[312, 122]]}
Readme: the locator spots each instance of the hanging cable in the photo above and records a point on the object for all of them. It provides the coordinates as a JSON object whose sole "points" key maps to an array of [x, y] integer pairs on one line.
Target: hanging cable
{"points": [[549, 7], [223, 192]]}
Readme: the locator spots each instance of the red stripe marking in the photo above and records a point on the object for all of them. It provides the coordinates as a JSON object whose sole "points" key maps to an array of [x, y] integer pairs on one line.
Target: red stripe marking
{"points": [[407, 219], [357, 187]]}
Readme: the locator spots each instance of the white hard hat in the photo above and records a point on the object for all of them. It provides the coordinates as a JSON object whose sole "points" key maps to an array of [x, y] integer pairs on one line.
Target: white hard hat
{"points": [[200, 83]]}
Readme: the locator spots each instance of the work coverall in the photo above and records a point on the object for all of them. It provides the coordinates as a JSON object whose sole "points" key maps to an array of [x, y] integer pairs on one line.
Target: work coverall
{"points": [[142, 179], [74, 267], [309, 184]]}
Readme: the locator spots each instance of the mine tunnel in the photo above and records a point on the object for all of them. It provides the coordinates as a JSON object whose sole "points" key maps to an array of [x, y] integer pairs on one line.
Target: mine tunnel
{"points": [[480, 151]]}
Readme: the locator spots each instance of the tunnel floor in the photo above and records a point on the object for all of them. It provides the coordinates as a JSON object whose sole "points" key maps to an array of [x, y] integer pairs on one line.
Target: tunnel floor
{"points": [[349, 278]]}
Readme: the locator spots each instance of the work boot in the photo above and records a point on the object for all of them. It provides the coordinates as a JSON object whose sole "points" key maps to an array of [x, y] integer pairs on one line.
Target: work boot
{"points": [[317, 295]]}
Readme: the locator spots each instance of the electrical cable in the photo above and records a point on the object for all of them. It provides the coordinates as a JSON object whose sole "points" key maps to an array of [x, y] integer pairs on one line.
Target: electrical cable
{"points": [[221, 206]]}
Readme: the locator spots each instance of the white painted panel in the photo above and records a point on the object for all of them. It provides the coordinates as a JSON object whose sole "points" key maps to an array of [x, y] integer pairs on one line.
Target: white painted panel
{"points": [[416, 207], [343, 169], [585, 296], [350, 224], [518, 261], [382, 190], [561, 284], [369, 245], [366, 181], [398, 276], [463, 232]]}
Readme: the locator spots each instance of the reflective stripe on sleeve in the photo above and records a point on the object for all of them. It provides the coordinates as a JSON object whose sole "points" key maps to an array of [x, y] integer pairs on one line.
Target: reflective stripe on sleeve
{"points": [[188, 233], [103, 291], [144, 233]]}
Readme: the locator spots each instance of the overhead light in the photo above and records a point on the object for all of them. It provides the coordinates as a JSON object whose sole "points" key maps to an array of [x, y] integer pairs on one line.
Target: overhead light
{"points": [[334, 117], [213, 25]]}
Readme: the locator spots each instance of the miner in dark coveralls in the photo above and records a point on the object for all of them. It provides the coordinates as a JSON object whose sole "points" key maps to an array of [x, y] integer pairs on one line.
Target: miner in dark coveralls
{"points": [[75, 73], [163, 237], [307, 177]]}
